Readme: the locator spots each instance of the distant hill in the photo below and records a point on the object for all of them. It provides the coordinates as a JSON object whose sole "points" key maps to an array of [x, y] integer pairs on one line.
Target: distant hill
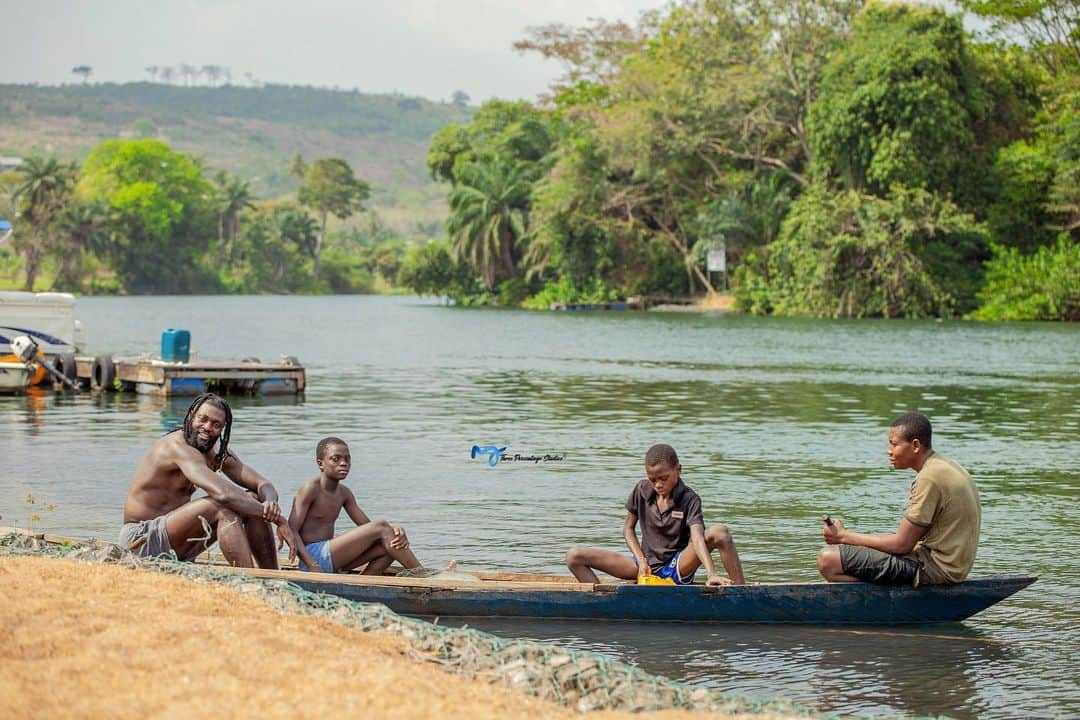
{"points": [[248, 131]]}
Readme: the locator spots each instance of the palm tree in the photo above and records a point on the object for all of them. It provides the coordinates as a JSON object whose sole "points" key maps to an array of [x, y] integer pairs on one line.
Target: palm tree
{"points": [[234, 197], [82, 229], [489, 216], [751, 218], [42, 194]]}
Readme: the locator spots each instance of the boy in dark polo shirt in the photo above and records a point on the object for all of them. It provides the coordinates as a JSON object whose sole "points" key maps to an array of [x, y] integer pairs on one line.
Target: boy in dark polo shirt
{"points": [[674, 541]]}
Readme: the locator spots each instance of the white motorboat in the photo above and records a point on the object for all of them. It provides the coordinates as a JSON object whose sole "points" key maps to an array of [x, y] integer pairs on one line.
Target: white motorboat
{"points": [[15, 376]]}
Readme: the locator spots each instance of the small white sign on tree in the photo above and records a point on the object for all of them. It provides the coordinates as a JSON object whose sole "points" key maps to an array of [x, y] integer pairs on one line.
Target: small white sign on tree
{"points": [[716, 260]]}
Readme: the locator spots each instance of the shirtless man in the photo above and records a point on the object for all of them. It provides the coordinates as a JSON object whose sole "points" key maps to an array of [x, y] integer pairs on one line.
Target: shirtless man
{"points": [[373, 544], [160, 517]]}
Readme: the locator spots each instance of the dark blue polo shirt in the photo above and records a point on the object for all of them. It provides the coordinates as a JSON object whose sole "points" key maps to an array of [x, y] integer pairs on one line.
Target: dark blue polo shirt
{"points": [[664, 533]]}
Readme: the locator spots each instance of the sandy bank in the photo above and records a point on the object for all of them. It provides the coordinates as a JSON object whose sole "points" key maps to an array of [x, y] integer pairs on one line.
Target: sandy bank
{"points": [[89, 640], [715, 303]]}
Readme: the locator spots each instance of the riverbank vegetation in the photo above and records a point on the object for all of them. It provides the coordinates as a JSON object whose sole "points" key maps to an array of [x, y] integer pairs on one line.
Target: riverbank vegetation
{"points": [[140, 217], [854, 159]]}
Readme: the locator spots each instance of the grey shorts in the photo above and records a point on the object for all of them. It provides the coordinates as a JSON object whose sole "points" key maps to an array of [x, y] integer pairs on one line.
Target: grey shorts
{"points": [[878, 567], [147, 538]]}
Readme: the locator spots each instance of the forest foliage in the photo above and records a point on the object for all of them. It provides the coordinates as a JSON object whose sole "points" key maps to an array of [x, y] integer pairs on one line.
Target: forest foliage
{"points": [[854, 160]]}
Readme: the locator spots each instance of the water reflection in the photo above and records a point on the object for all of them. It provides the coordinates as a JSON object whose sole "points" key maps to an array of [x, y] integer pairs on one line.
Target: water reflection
{"points": [[39, 407], [843, 670]]}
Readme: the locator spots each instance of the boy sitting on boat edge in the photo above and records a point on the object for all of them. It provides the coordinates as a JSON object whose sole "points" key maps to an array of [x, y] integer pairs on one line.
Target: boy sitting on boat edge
{"points": [[671, 520], [318, 503]]}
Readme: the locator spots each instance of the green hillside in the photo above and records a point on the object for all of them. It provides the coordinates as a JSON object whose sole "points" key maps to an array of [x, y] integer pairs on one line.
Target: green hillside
{"points": [[248, 131]]}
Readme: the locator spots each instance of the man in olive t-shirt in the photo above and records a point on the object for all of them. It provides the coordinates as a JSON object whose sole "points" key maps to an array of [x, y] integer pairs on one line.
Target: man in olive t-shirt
{"points": [[936, 539]]}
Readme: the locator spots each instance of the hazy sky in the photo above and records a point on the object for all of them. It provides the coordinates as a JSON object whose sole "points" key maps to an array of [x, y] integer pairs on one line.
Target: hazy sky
{"points": [[417, 47]]}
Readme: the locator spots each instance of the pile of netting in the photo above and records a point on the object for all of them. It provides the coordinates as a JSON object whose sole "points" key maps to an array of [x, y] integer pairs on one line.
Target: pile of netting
{"points": [[580, 680]]}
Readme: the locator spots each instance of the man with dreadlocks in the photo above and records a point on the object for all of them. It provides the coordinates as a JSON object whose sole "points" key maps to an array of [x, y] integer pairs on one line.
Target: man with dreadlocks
{"points": [[674, 541], [160, 517]]}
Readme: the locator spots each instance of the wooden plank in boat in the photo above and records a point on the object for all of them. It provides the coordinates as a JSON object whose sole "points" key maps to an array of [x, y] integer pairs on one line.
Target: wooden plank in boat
{"points": [[519, 581], [405, 582]]}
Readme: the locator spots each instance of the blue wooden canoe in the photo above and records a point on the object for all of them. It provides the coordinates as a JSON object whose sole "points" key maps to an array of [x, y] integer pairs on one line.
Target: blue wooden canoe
{"points": [[554, 596], [527, 595]]}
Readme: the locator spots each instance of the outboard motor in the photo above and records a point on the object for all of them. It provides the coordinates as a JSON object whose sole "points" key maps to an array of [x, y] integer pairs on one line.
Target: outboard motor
{"points": [[27, 351], [24, 348]]}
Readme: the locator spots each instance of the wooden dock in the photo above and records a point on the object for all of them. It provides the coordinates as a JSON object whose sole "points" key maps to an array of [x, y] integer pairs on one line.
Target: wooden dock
{"points": [[156, 377]]}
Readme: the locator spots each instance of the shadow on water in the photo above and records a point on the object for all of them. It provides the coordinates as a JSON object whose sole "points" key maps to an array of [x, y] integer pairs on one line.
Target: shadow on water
{"points": [[834, 669], [38, 407]]}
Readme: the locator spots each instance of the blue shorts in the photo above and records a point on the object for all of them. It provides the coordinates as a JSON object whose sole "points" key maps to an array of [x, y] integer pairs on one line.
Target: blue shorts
{"points": [[671, 570], [321, 552]]}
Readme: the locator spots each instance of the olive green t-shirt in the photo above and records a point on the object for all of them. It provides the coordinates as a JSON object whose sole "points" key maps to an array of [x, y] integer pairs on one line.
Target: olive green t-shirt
{"points": [[944, 500]]}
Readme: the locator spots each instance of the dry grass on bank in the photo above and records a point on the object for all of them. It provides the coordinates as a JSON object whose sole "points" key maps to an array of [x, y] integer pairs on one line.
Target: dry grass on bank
{"points": [[86, 641]]}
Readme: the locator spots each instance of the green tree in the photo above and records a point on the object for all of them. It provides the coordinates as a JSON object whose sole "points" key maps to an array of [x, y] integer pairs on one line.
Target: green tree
{"points": [[675, 117], [234, 196], [899, 103], [1044, 285], [144, 127], [295, 227], [750, 218], [162, 212], [430, 269], [511, 130], [272, 250], [329, 188], [83, 231], [44, 190], [489, 217], [297, 166], [1048, 28], [850, 254], [1061, 134]]}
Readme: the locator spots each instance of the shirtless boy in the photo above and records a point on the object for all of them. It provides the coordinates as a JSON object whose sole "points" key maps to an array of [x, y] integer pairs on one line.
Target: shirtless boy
{"points": [[671, 521], [372, 543], [160, 518]]}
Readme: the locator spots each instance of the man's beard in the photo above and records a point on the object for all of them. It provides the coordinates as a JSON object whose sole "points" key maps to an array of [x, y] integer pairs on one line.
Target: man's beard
{"points": [[192, 438]]}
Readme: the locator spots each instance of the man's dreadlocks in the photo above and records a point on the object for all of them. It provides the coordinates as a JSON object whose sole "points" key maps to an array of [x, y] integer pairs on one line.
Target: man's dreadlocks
{"points": [[218, 402]]}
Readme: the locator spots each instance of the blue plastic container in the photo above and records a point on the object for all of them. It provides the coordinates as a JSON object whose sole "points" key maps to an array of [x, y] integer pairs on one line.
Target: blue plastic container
{"points": [[175, 345]]}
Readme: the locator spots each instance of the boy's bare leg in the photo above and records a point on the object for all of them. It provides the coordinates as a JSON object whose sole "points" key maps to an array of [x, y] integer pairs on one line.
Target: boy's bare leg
{"points": [[378, 565], [346, 549], [717, 537], [187, 531], [375, 558], [260, 535], [583, 560]]}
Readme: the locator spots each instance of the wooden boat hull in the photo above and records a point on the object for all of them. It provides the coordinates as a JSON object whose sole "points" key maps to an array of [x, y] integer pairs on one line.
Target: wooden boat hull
{"points": [[808, 603], [526, 595]]}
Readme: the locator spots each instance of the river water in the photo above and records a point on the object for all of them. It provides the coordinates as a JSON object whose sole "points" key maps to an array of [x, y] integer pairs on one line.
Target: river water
{"points": [[776, 421]]}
